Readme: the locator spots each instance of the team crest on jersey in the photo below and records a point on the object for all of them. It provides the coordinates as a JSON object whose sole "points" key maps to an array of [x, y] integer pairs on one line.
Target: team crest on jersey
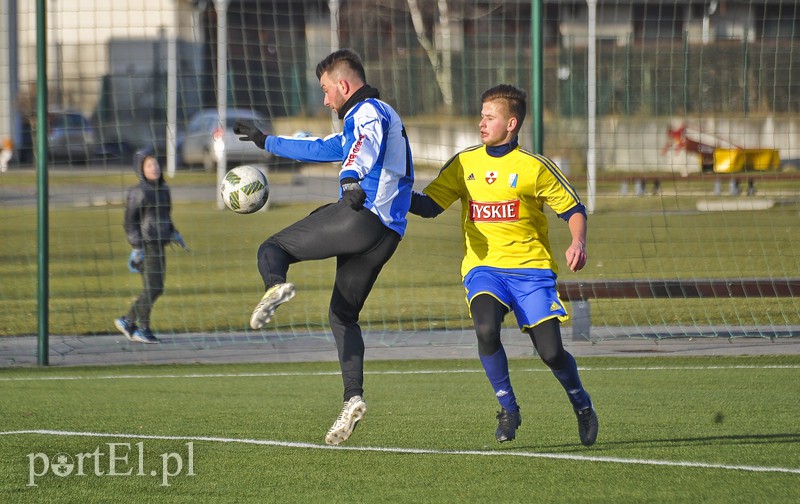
{"points": [[491, 176], [471, 176], [512, 180]]}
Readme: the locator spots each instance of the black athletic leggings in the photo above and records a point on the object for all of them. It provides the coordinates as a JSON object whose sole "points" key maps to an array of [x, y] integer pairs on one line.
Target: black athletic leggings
{"points": [[487, 316], [362, 245]]}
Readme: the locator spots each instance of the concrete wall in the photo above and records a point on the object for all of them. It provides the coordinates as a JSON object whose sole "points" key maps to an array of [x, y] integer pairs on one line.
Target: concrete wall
{"points": [[77, 37]]}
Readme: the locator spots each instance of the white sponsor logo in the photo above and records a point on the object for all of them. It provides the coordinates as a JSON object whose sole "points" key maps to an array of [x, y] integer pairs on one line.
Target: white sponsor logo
{"points": [[503, 211]]}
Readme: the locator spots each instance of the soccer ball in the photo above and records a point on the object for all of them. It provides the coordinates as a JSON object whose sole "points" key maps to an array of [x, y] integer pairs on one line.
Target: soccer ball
{"points": [[245, 189]]}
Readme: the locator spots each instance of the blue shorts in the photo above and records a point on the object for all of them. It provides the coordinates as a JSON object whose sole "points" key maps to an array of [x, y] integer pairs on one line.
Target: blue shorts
{"points": [[530, 293]]}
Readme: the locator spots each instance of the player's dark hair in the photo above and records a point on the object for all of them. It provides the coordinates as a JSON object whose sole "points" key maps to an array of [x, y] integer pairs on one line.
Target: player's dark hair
{"points": [[514, 98], [346, 57]]}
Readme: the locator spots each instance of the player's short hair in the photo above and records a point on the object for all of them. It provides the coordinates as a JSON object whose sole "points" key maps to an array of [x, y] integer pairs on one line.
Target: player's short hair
{"points": [[514, 98], [343, 57]]}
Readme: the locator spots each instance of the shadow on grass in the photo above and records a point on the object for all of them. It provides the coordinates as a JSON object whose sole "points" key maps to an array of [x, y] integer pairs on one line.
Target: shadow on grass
{"points": [[748, 439]]}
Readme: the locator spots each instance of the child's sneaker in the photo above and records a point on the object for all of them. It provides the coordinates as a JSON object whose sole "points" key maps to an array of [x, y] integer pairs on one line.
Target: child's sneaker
{"points": [[126, 327], [144, 335]]}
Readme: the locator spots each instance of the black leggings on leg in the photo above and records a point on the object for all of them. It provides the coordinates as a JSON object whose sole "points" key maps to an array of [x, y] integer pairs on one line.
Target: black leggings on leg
{"points": [[362, 244], [546, 338], [487, 318]]}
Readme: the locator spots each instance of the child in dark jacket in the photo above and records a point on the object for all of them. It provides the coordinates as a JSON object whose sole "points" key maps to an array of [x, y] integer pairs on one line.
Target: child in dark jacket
{"points": [[148, 228]]}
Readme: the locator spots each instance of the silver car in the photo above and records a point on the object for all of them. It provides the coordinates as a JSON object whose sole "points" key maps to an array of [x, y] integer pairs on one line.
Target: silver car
{"points": [[70, 137], [205, 140]]}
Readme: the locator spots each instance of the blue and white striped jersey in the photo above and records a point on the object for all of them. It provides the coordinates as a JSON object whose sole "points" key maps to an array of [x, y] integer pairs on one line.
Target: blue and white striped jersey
{"points": [[372, 148]]}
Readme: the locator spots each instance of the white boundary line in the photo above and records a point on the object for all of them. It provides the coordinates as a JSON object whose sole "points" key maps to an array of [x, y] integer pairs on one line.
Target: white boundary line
{"points": [[379, 373], [414, 451]]}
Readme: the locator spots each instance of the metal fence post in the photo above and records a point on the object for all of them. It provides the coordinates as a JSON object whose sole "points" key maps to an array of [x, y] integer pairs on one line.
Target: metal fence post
{"points": [[581, 321]]}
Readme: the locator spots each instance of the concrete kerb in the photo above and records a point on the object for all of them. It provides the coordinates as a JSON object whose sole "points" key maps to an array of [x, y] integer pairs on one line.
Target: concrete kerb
{"points": [[247, 347]]}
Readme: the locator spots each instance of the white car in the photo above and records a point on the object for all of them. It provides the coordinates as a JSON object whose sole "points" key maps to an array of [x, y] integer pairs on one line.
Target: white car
{"points": [[205, 140]]}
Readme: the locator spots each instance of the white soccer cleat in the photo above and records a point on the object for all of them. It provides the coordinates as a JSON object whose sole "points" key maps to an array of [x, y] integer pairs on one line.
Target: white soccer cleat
{"points": [[274, 297], [352, 411]]}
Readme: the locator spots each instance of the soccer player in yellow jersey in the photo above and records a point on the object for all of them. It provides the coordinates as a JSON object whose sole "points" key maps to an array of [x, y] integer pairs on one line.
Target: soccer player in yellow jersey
{"points": [[508, 264]]}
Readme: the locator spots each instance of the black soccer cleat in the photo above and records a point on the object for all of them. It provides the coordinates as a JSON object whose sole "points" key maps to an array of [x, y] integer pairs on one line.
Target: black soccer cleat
{"points": [[587, 425], [507, 424]]}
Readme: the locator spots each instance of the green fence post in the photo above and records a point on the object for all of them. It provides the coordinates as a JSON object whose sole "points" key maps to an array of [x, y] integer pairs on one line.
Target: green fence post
{"points": [[536, 76], [41, 183]]}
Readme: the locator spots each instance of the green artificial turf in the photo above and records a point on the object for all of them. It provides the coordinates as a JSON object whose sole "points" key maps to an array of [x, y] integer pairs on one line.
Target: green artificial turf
{"points": [[671, 430]]}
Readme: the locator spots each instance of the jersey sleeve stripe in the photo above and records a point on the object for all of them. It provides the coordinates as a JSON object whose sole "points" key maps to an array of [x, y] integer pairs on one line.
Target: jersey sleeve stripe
{"points": [[556, 171], [450, 161]]}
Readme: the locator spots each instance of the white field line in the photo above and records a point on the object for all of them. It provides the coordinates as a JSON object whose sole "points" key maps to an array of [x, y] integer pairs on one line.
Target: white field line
{"points": [[376, 373], [414, 451]]}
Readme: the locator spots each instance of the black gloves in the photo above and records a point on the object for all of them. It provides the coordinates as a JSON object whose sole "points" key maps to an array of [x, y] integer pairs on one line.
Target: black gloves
{"points": [[352, 194], [250, 132]]}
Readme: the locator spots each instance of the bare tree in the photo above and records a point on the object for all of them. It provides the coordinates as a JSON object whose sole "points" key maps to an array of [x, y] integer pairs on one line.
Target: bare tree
{"points": [[432, 22], [440, 58]]}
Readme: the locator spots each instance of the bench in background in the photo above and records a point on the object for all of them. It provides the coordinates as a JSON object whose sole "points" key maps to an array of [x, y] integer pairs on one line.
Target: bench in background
{"points": [[579, 293], [640, 181]]}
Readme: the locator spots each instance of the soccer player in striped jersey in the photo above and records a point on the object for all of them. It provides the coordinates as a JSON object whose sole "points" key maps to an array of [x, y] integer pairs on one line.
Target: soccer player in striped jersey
{"points": [[508, 264], [362, 230]]}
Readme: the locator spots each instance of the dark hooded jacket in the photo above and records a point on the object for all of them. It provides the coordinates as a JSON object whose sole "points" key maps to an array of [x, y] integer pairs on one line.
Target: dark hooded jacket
{"points": [[148, 210]]}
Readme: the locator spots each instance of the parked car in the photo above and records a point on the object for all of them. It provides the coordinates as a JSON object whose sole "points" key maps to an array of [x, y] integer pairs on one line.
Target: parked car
{"points": [[24, 150], [70, 136], [205, 139]]}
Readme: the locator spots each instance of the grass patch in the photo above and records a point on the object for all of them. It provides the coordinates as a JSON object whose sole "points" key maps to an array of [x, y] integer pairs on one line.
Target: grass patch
{"points": [[671, 430], [215, 286]]}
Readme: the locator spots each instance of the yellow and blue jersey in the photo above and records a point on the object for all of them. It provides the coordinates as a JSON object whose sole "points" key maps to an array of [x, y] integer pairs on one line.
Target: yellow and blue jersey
{"points": [[502, 205]]}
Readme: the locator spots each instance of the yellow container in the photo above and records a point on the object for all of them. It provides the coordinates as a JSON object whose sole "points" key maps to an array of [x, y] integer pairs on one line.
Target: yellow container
{"points": [[762, 159], [728, 160]]}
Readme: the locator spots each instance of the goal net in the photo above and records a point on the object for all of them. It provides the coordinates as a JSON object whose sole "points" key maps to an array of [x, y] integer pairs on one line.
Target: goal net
{"points": [[687, 157]]}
